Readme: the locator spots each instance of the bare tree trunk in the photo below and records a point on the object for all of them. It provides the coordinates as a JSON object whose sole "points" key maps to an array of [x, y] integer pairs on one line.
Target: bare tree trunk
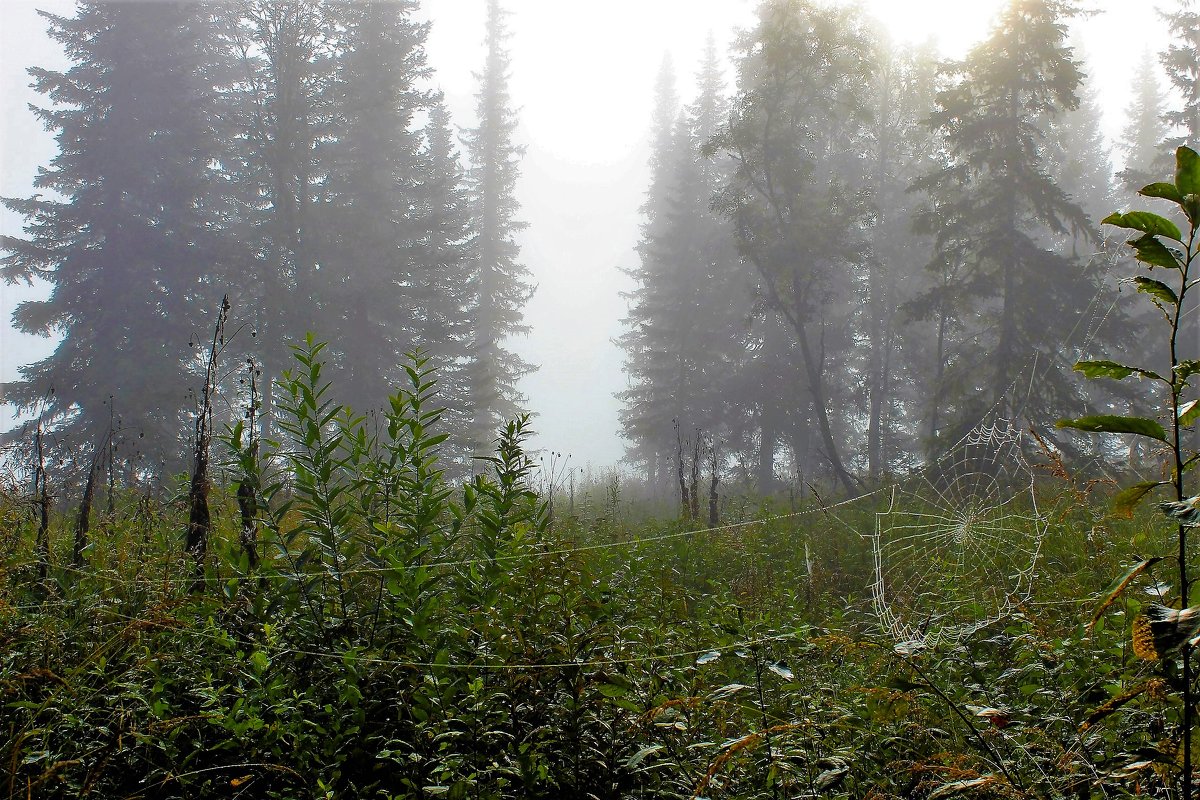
{"points": [[695, 487], [41, 500], [83, 521], [684, 504], [714, 476], [199, 516]]}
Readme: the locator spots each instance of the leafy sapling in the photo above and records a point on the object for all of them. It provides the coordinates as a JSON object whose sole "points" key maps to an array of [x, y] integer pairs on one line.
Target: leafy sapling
{"points": [[1168, 256]]}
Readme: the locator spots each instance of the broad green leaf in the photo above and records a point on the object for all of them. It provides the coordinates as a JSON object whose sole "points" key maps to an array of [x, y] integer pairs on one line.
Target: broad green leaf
{"points": [[1191, 207], [640, 755], [1186, 369], [1153, 252], [1156, 289], [1189, 413], [961, 787], [1146, 222], [1166, 191], [1107, 423], [1187, 171], [1127, 499], [782, 671], [1111, 369]]}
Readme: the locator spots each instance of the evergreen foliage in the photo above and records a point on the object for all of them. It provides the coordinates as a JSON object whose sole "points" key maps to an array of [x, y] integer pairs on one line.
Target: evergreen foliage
{"points": [[1012, 296], [125, 232], [500, 282]]}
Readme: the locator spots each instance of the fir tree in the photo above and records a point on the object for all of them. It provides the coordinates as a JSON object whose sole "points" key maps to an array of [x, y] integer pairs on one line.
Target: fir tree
{"points": [[1142, 140], [128, 236], [796, 197], [441, 278], [682, 344], [500, 282], [369, 219], [277, 104], [994, 204], [1182, 64]]}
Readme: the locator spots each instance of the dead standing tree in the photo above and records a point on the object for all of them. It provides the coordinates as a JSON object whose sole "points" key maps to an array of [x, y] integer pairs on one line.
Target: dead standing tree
{"points": [[199, 516]]}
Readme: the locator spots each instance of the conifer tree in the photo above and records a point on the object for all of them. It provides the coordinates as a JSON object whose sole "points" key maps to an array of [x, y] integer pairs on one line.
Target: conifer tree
{"points": [[441, 272], [500, 282], [128, 234], [1142, 139], [1182, 64], [683, 342], [900, 148], [276, 109], [797, 198], [1014, 297], [369, 218]]}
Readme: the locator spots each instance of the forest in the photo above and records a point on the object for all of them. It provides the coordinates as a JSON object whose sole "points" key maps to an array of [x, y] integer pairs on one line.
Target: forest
{"points": [[911, 423]]}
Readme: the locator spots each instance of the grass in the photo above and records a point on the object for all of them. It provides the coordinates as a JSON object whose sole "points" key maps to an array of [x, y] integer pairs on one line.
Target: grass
{"points": [[402, 637]]}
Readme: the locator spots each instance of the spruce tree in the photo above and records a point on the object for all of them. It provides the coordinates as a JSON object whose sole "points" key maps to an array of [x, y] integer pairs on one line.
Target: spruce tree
{"points": [[797, 196], [128, 235], [900, 149], [441, 282], [1142, 139], [1182, 64], [500, 282], [1012, 296], [276, 104], [369, 222], [682, 343]]}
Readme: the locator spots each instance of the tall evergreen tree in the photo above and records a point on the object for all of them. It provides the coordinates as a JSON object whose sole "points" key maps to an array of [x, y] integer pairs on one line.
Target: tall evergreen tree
{"points": [[501, 283], [1078, 158], [682, 341], [442, 272], [993, 205], [370, 218], [126, 237], [1142, 139], [797, 198], [900, 149], [277, 105], [1182, 64]]}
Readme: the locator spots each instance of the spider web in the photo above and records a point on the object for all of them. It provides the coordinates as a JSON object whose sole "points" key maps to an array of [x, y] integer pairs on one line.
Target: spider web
{"points": [[958, 545]]}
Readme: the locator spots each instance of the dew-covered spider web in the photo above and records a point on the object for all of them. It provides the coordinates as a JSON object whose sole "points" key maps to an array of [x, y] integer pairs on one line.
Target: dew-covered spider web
{"points": [[957, 547]]}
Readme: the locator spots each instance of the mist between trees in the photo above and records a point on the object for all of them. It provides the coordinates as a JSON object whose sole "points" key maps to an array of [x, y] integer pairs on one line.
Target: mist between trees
{"points": [[847, 260]]}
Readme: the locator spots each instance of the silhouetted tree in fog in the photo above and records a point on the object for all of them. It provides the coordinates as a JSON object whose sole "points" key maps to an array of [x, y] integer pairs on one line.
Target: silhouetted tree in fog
{"points": [[683, 340], [796, 197], [500, 282], [370, 219], [127, 233], [1011, 294]]}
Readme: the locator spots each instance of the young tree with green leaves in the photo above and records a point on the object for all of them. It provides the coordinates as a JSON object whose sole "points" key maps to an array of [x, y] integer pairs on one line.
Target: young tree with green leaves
{"points": [[1167, 252]]}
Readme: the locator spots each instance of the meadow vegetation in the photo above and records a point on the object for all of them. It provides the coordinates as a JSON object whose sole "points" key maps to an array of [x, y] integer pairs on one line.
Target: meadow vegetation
{"points": [[384, 633]]}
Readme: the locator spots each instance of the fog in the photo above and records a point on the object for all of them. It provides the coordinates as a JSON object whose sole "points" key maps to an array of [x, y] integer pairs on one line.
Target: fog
{"points": [[582, 85]]}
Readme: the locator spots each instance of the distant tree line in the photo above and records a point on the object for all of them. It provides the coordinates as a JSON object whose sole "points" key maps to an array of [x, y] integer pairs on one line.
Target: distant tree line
{"points": [[288, 154], [859, 254]]}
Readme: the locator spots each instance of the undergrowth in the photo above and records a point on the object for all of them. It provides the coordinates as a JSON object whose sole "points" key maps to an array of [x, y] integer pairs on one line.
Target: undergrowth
{"points": [[378, 632]]}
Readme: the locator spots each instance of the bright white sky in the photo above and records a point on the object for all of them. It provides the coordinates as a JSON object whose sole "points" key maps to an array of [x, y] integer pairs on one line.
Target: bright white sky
{"points": [[582, 78]]}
